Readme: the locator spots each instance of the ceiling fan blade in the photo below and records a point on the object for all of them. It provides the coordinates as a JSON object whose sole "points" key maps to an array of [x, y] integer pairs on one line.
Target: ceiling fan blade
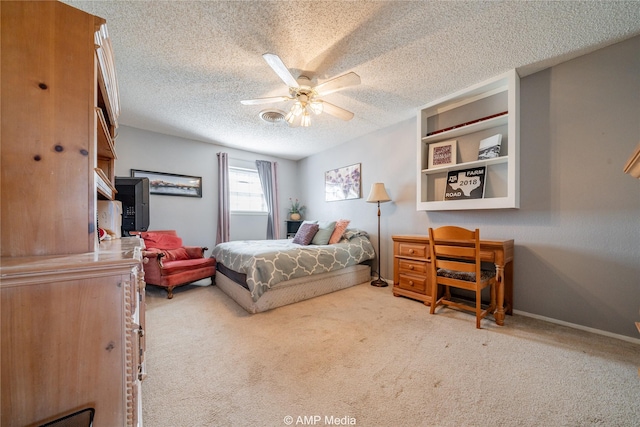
{"points": [[338, 83], [269, 100], [336, 111], [281, 70]]}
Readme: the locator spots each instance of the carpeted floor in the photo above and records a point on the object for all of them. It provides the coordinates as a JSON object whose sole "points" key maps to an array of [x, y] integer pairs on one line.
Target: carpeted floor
{"points": [[363, 357]]}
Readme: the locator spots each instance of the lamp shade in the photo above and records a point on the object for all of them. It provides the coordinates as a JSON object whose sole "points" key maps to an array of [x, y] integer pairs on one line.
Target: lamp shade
{"points": [[378, 193]]}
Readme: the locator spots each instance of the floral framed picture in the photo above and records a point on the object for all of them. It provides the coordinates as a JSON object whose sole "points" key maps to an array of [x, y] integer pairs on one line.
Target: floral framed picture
{"points": [[442, 154], [342, 183], [170, 184]]}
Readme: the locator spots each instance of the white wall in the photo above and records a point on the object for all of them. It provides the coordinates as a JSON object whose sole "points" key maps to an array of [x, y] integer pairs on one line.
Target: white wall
{"points": [[195, 219], [577, 233]]}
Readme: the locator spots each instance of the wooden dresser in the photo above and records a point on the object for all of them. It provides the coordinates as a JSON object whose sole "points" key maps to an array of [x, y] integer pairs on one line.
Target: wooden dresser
{"points": [[412, 267], [73, 335], [72, 309]]}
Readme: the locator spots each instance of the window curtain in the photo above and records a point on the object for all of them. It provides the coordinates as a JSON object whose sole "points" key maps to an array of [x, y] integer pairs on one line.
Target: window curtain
{"points": [[267, 172], [223, 198]]}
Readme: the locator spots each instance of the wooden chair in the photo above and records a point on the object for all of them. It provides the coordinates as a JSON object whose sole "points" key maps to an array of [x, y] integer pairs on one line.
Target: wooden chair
{"points": [[455, 261]]}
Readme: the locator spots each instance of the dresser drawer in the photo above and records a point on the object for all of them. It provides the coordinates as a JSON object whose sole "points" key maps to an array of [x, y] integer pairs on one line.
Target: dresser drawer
{"points": [[413, 250], [412, 282], [416, 267]]}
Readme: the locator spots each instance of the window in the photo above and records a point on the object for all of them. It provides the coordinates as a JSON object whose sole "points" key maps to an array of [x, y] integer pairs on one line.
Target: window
{"points": [[245, 191]]}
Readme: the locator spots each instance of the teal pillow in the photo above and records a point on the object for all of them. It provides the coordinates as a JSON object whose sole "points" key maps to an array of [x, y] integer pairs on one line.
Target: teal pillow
{"points": [[325, 230]]}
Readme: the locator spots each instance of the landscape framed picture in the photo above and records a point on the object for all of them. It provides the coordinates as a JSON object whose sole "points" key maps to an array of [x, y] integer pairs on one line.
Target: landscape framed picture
{"points": [[442, 154], [170, 184], [342, 183]]}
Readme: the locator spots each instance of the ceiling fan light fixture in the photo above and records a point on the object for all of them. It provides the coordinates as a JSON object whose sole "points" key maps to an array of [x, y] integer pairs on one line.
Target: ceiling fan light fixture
{"points": [[316, 106], [290, 117], [306, 119], [297, 108]]}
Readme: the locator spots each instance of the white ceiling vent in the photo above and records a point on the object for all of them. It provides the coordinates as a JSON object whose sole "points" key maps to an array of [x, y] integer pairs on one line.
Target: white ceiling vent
{"points": [[272, 116]]}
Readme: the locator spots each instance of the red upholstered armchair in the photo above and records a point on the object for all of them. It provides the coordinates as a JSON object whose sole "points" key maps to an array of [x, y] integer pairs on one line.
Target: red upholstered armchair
{"points": [[167, 263]]}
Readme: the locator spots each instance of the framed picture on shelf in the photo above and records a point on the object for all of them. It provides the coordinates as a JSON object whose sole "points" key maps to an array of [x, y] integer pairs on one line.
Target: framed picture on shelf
{"points": [[442, 154], [465, 184], [490, 147], [169, 184], [342, 183]]}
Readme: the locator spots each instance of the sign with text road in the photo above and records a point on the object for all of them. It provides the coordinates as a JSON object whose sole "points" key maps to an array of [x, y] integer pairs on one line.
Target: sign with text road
{"points": [[465, 184]]}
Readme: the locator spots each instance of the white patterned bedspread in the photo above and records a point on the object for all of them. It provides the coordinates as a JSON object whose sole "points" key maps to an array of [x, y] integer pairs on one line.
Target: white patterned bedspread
{"points": [[268, 262]]}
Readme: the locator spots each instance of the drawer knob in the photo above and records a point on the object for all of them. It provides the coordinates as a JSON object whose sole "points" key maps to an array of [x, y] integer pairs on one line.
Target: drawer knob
{"points": [[410, 282], [411, 251], [411, 267]]}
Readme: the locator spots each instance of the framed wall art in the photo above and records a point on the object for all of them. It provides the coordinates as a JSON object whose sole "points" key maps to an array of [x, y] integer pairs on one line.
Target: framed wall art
{"points": [[342, 183], [169, 184], [442, 154]]}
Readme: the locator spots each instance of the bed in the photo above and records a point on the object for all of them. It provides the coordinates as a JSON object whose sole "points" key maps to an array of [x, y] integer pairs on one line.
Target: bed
{"points": [[264, 274]]}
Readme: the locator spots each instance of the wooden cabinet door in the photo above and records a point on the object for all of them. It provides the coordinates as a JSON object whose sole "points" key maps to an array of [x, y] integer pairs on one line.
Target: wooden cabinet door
{"points": [[63, 348], [48, 129]]}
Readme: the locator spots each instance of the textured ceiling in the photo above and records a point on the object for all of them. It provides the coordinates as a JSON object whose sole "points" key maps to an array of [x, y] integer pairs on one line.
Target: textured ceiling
{"points": [[184, 66]]}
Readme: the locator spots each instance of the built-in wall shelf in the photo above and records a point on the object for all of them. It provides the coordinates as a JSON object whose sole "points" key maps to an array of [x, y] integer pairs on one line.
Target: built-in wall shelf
{"points": [[463, 119], [467, 165]]}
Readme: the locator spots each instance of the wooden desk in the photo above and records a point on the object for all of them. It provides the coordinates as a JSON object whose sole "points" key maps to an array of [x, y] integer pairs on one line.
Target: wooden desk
{"points": [[499, 252]]}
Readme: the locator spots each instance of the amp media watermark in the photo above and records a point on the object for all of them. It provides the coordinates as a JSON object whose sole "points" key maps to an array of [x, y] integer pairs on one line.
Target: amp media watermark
{"points": [[319, 420]]}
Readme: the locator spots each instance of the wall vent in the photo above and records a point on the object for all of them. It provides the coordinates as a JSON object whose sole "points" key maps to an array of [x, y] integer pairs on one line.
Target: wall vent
{"points": [[272, 116]]}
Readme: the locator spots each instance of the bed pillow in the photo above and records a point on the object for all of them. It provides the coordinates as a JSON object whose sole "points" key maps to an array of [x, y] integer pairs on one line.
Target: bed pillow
{"points": [[305, 234], [351, 233], [325, 229], [341, 225]]}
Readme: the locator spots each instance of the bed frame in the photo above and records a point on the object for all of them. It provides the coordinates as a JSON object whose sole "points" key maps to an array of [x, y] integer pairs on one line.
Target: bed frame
{"points": [[295, 290]]}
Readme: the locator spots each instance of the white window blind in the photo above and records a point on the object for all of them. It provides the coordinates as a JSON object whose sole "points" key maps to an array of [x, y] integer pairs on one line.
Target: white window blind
{"points": [[245, 191]]}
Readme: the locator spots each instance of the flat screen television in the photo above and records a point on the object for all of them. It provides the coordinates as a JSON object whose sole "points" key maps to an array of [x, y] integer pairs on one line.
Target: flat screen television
{"points": [[134, 195]]}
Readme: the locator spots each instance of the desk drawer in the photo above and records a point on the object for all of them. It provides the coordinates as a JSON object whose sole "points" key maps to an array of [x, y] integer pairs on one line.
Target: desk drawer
{"points": [[413, 250], [413, 283], [416, 267]]}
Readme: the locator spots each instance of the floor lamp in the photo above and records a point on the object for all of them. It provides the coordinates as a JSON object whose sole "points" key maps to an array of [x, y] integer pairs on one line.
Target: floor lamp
{"points": [[378, 195]]}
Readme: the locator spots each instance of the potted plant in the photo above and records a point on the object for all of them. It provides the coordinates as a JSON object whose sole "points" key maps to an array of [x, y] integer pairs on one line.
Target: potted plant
{"points": [[296, 210]]}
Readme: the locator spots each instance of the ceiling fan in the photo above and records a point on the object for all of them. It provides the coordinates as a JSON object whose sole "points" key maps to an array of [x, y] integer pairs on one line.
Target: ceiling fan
{"points": [[307, 98]]}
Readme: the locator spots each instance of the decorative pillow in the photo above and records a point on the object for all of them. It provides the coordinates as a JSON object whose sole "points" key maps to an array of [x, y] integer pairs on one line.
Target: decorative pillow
{"points": [[175, 254], [161, 240], [305, 234], [341, 225], [325, 229]]}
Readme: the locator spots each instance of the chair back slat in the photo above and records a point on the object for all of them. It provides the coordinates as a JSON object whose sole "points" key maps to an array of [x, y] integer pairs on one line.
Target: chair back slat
{"points": [[456, 251], [456, 265]]}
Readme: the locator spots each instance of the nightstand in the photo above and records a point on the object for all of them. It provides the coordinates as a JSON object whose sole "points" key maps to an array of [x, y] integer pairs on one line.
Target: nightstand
{"points": [[292, 228]]}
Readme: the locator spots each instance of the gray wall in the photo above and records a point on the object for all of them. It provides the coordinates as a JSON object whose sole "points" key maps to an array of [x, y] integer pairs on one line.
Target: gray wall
{"points": [[195, 219], [577, 232]]}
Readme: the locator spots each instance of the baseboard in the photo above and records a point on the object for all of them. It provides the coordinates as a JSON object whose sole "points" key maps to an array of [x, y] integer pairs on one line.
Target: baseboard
{"points": [[576, 326]]}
